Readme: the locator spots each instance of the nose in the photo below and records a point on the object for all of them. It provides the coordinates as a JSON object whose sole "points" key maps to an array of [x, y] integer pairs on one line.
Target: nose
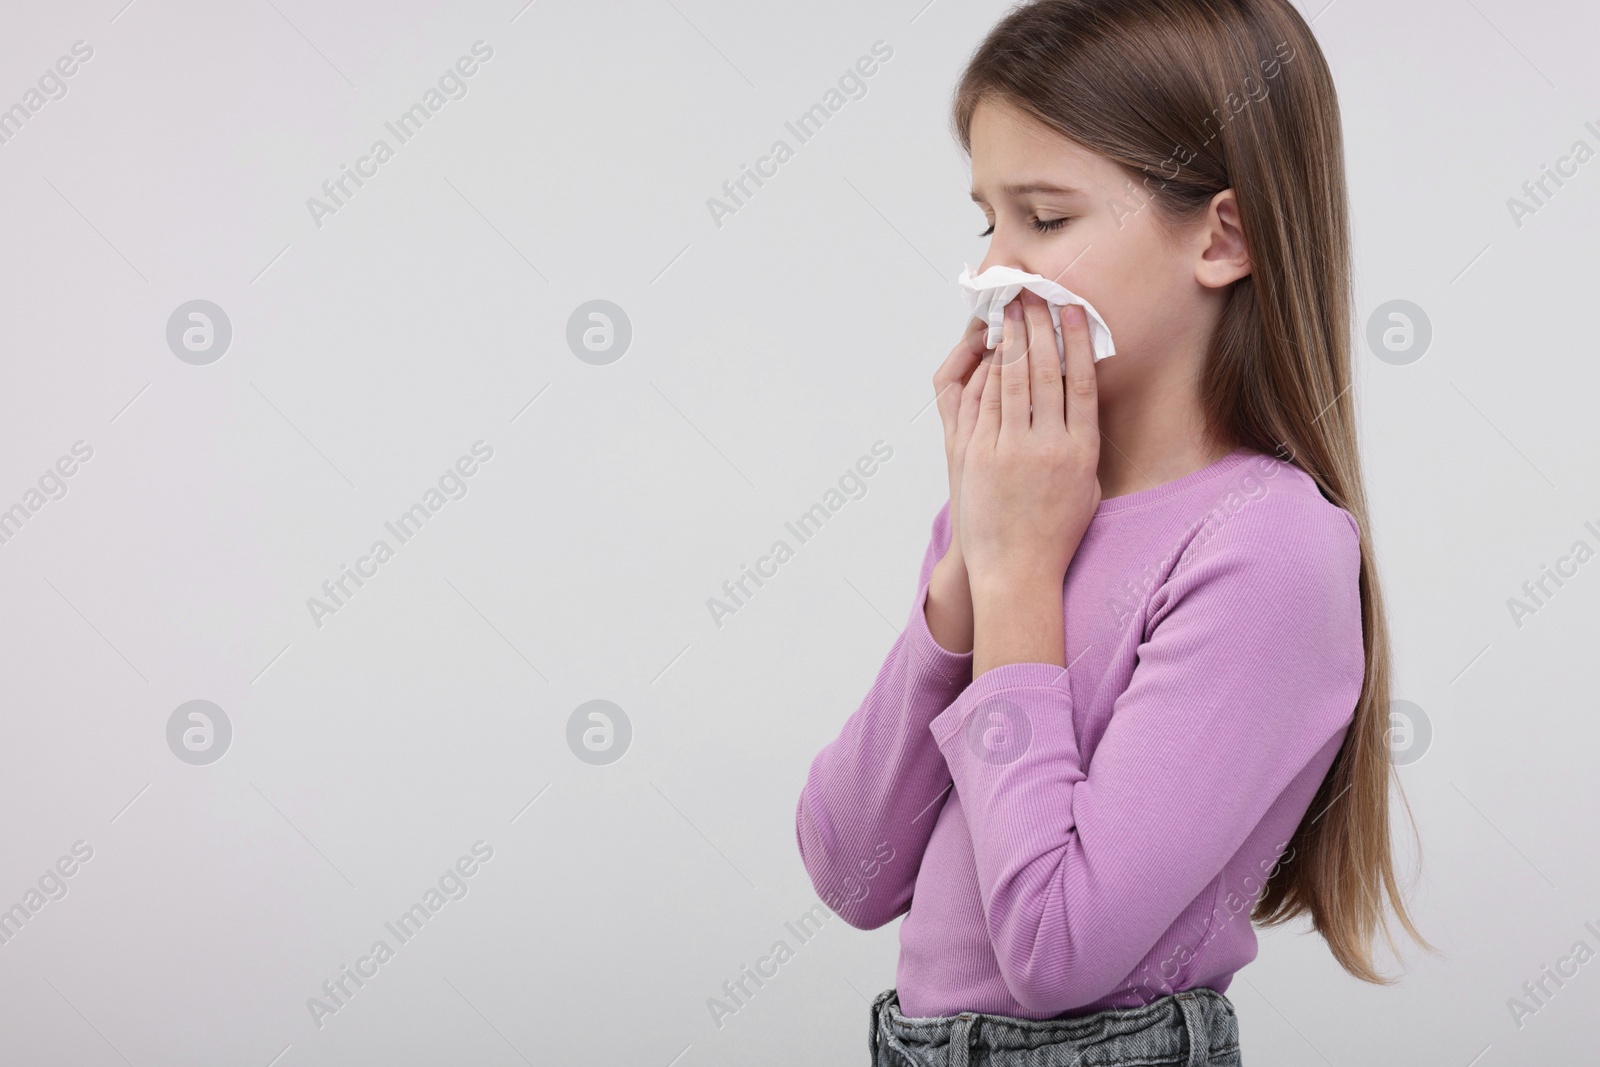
{"points": [[1000, 253]]}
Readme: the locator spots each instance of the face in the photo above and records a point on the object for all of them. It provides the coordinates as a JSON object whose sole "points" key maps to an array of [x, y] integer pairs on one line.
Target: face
{"points": [[1096, 235]]}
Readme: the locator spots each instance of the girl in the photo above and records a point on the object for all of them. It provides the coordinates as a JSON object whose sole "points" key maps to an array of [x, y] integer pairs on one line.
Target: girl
{"points": [[1142, 699]]}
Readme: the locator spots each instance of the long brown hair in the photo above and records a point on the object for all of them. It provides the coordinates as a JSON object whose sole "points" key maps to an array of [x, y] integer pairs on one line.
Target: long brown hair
{"points": [[1192, 97]]}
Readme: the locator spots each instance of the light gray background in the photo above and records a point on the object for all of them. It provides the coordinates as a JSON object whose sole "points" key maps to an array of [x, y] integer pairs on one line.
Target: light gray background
{"points": [[768, 355]]}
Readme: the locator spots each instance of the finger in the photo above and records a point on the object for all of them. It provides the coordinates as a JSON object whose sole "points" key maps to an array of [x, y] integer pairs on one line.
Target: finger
{"points": [[963, 358], [971, 400], [1044, 368], [1082, 390], [987, 427], [956, 370], [1014, 398]]}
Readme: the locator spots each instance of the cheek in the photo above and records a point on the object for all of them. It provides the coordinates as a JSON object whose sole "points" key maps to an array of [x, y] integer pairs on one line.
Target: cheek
{"points": [[1131, 279], [1107, 266], [1115, 291]]}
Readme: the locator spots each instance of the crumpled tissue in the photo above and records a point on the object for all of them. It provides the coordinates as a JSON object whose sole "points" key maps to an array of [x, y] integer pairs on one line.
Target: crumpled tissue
{"points": [[988, 293]]}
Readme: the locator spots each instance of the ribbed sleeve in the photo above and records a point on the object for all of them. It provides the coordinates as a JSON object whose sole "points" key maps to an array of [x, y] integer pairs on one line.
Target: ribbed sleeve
{"points": [[1251, 662], [872, 795]]}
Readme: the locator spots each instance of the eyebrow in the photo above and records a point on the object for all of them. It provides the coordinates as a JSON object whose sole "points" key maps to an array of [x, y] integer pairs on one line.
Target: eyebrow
{"points": [[1023, 189]]}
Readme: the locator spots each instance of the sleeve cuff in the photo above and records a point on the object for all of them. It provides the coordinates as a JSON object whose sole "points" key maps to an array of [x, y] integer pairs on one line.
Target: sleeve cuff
{"points": [[1014, 691]]}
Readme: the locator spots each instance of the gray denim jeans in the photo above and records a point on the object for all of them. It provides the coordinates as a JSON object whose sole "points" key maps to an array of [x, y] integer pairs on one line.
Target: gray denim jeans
{"points": [[1194, 1028]]}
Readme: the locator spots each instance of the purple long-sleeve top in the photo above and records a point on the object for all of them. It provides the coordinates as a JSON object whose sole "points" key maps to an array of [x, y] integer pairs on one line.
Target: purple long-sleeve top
{"points": [[1066, 840]]}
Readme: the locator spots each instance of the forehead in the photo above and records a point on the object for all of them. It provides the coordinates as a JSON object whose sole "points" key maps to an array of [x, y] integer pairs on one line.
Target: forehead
{"points": [[1011, 148]]}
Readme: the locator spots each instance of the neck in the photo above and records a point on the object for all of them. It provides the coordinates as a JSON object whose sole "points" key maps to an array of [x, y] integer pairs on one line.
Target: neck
{"points": [[1154, 436]]}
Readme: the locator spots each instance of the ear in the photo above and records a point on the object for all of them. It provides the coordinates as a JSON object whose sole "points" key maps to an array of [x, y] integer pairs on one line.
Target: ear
{"points": [[1224, 258]]}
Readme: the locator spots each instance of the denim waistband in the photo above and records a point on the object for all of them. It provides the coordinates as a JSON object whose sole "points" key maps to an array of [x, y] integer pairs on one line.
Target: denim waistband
{"points": [[1192, 1028]]}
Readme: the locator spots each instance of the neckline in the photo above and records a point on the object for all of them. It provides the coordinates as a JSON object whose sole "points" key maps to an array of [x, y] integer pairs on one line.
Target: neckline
{"points": [[1141, 497]]}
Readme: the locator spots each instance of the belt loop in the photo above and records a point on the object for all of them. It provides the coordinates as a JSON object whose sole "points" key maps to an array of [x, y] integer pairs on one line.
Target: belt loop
{"points": [[1194, 1022], [876, 1019], [960, 1040]]}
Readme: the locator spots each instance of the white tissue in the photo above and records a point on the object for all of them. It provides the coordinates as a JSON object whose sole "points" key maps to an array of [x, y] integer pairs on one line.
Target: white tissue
{"points": [[988, 294]]}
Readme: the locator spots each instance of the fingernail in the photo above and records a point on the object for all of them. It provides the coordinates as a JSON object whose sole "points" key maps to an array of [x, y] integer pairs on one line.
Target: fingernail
{"points": [[1074, 314]]}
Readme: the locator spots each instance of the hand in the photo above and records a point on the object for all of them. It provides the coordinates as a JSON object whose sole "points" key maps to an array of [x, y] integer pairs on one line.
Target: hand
{"points": [[958, 390], [1029, 484], [949, 605]]}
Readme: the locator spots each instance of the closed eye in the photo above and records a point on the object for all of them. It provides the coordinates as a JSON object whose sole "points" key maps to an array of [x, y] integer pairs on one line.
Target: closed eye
{"points": [[1040, 225]]}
